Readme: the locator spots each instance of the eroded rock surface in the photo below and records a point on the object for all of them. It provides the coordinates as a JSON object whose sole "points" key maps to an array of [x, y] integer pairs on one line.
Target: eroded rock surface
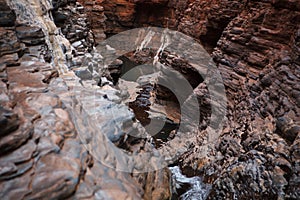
{"points": [[254, 43], [258, 56], [42, 155]]}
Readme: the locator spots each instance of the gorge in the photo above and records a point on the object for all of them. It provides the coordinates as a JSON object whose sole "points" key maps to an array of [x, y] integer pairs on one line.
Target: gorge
{"points": [[74, 110]]}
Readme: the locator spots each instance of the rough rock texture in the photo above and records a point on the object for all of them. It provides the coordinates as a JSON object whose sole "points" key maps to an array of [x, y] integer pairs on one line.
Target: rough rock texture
{"points": [[123, 15], [96, 17], [265, 116], [42, 155], [203, 20], [7, 16], [72, 20], [256, 45], [258, 56], [206, 20]]}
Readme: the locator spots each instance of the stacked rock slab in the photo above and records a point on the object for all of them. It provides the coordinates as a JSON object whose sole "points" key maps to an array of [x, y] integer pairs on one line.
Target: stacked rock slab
{"points": [[257, 156], [42, 155], [258, 55], [96, 17], [255, 45]]}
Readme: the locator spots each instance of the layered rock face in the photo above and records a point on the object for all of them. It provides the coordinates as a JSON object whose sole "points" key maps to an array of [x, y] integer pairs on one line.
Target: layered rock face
{"points": [[202, 20], [123, 15], [96, 17], [255, 44], [258, 56], [42, 155]]}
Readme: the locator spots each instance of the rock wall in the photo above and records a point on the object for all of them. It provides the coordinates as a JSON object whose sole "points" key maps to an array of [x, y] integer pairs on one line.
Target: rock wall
{"points": [[31, 137], [96, 17], [203, 20], [256, 45], [126, 14], [206, 20], [258, 56], [71, 19], [42, 154]]}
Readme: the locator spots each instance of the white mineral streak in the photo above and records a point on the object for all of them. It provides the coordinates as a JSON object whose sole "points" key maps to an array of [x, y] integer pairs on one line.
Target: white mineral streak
{"points": [[36, 12], [146, 39], [165, 42]]}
